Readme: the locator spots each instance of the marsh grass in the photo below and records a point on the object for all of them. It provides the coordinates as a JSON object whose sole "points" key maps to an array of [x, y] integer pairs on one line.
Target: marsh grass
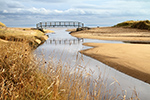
{"points": [[25, 77]]}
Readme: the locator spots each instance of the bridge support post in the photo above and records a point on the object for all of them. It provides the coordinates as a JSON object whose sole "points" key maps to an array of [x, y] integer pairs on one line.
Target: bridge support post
{"points": [[50, 24], [41, 25], [82, 25], [45, 24], [59, 23], [64, 23], [37, 26], [78, 24]]}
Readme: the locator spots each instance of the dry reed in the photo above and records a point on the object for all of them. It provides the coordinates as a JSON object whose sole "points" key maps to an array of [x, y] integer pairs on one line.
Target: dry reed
{"points": [[24, 77]]}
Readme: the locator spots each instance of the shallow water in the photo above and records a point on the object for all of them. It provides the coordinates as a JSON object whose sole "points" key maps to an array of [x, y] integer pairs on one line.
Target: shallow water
{"points": [[62, 45]]}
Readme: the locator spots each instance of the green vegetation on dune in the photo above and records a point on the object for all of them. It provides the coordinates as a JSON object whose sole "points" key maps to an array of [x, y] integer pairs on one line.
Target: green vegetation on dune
{"points": [[135, 24], [141, 25], [125, 24]]}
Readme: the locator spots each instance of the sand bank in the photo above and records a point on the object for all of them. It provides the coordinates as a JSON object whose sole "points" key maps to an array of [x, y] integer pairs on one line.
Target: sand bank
{"points": [[132, 59], [114, 33]]}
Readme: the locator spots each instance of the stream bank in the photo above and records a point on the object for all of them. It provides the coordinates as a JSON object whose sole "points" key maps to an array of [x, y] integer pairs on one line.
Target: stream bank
{"points": [[32, 36], [68, 52], [127, 58]]}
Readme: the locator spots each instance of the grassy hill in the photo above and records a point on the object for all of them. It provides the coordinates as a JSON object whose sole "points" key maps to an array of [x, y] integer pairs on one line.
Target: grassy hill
{"points": [[32, 36], [135, 24]]}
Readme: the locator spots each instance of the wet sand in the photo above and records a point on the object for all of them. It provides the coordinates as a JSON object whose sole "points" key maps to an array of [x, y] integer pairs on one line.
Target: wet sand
{"points": [[131, 59]]}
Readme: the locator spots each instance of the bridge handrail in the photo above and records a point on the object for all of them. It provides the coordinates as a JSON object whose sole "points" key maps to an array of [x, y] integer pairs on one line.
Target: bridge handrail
{"points": [[40, 25]]}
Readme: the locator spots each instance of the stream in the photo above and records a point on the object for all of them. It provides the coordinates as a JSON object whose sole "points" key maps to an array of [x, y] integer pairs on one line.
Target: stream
{"points": [[61, 45]]}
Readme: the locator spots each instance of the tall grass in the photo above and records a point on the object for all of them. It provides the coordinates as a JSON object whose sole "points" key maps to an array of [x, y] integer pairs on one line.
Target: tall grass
{"points": [[24, 77]]}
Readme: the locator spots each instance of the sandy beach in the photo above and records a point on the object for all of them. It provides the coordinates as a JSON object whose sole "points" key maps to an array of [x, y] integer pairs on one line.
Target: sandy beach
{"points": [[131, 59], [114, 33]]}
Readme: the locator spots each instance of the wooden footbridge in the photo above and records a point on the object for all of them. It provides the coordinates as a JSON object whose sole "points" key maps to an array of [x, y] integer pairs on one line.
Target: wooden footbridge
{"points": [[42, 25]]}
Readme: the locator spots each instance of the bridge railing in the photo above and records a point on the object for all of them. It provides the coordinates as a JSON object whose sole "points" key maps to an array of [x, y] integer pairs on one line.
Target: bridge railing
{"points": [[42, 25]]}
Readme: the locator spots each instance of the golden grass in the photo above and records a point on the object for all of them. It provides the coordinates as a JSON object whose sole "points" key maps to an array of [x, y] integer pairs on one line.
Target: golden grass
{"points": [[20, 32], [2, 24], [33, 36], [24, 77]]}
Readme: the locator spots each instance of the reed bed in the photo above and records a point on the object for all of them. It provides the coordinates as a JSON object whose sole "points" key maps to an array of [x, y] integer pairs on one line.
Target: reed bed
{"points": [[23, 76]]}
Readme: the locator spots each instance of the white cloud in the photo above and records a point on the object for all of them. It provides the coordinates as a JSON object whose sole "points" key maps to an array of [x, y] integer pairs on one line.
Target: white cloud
{"points": [[91, 11], [58, 11], [74, 12], [78, 12], [37, 10], [44, 11], [5, 11]]}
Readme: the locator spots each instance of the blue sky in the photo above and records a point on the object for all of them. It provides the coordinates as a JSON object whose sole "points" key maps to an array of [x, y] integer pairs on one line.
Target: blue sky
{"points": [[24, 13]]}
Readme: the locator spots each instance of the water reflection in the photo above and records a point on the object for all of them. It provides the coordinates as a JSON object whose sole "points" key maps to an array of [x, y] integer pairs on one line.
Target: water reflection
{"points": [[65, 41]]}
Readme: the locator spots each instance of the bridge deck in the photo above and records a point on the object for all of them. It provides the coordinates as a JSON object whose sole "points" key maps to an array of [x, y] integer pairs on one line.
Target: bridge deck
{"points": [[59, 24]]}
